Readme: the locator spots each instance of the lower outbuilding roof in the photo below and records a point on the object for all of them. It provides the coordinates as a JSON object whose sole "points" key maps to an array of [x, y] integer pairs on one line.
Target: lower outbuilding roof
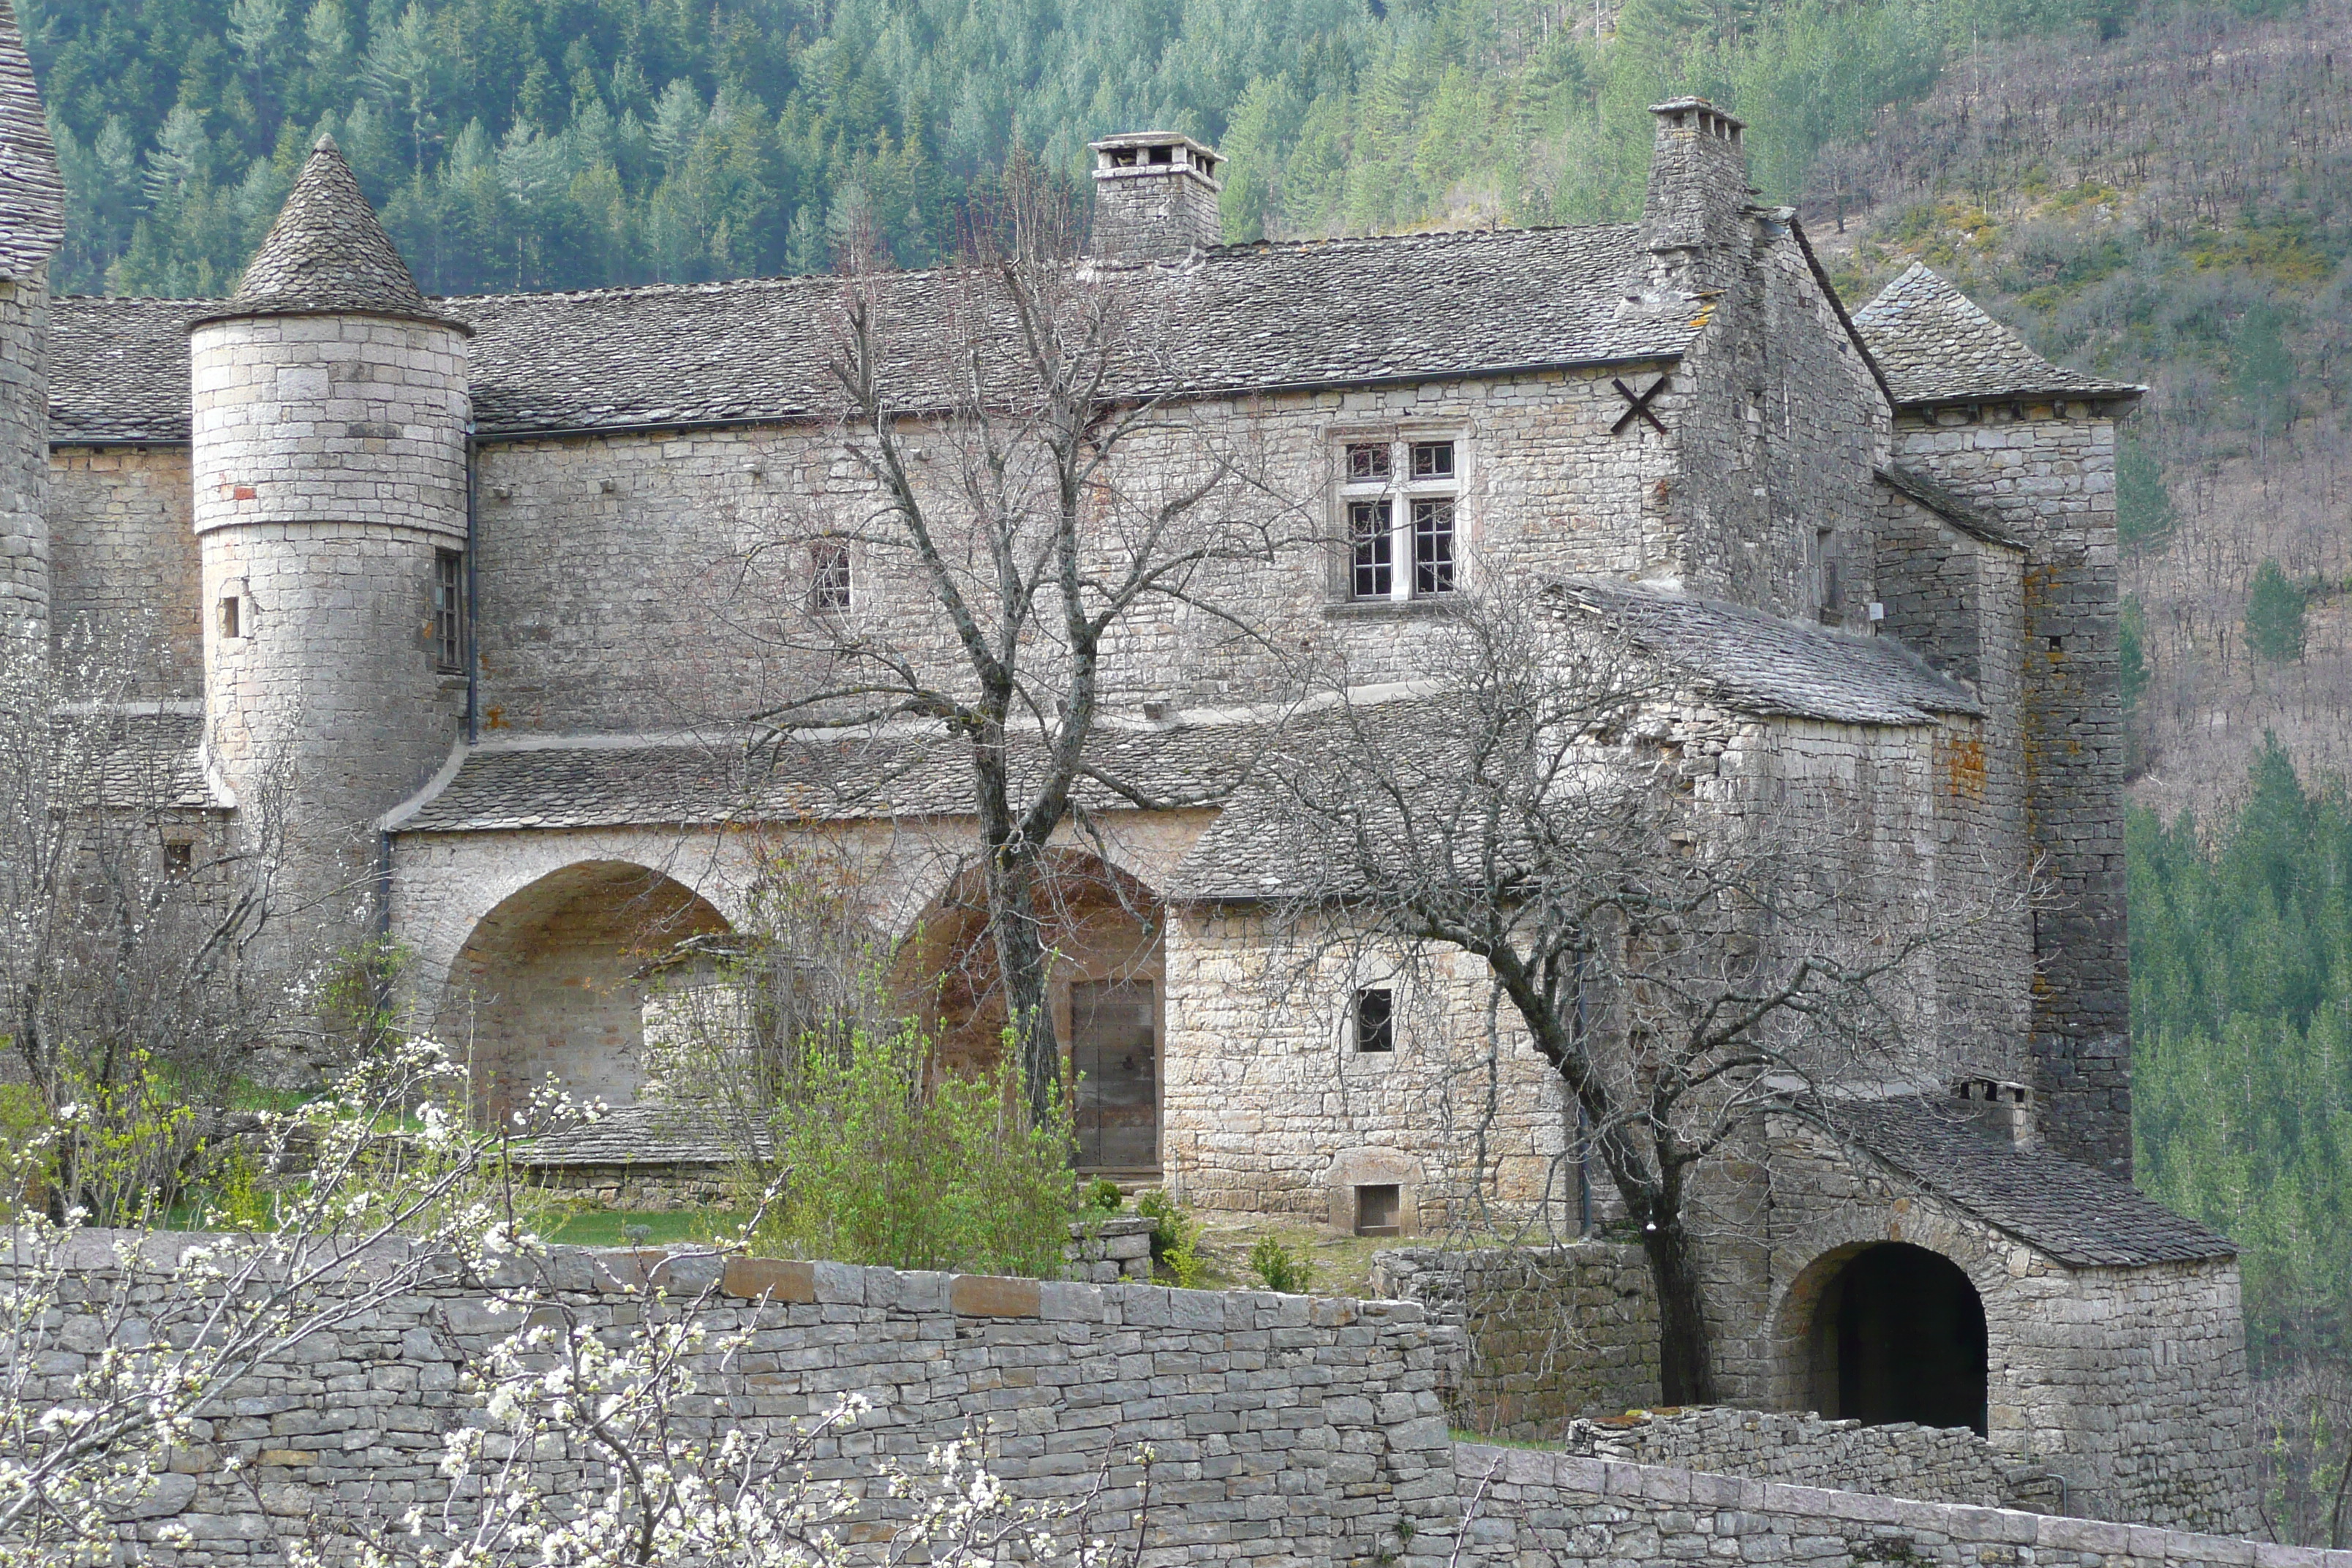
{"points": [[2078, 1215]]}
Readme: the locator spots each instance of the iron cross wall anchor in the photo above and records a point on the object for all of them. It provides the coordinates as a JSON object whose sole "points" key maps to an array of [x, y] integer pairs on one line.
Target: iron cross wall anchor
{"points": [[1638, 405]]}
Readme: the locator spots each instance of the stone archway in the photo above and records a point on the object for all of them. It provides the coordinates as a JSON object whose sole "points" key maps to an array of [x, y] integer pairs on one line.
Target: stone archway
{"points": [[548, 984], [1898, 1334], [1107, 988]]}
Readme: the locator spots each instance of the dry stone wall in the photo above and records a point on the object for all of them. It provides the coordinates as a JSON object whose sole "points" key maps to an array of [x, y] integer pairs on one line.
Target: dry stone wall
{"points": [[1516, 1507], [1901, 1459], [1286, 1430], [1550, 1335]]}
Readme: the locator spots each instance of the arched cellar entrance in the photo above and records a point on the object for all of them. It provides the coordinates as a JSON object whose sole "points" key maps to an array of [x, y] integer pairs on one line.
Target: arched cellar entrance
{"points": [[1899, 1335], [1103, 930], [550, 982]]}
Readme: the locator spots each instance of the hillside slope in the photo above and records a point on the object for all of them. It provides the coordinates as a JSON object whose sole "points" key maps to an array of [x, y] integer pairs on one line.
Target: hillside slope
{"points": [[2173, 206]]}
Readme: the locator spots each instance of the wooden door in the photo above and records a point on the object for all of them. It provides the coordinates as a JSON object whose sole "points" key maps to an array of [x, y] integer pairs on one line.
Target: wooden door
{"points": [[1114, 1054]]}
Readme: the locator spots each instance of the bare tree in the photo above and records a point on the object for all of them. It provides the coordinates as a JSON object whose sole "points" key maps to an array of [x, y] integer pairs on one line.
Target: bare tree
{"points": [[133, 972], [1681, 967], [1021, 475]]}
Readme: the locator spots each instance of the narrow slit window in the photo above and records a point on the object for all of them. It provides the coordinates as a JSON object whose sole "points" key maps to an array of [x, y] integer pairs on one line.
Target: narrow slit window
{"points": [[179, 859], [829, 576], [1379, 1210], [1371, 549], [1375, 1021], [449, 609], [230, 618], [1432, 546]]}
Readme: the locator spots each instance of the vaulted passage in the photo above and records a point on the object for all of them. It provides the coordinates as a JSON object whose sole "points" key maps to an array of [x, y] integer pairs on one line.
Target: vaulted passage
{"points": [[550, 984], [1104, 930], [1900, 1336]]}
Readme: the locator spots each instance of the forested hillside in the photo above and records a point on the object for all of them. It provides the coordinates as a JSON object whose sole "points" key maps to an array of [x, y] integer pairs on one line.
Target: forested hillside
{"points": [[540, 144], [2173, 207]]}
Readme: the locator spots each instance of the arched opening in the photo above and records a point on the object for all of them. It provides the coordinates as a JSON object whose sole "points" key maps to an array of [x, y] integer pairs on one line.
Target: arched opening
{"points": [[1103, 930], [551, 983], [1899, 1335]]}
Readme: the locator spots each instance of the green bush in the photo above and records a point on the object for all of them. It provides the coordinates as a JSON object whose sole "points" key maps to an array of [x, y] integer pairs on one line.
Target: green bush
{"points": [[893, 1157], [1279, 1269], [1103, 1193], [1175, 1237]]}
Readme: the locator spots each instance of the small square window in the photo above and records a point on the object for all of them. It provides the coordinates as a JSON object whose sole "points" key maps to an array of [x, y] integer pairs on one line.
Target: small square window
{"points": [[1368, 461], [1380, 1211], [1371, 549], [230, 618], [829, 578], [1433, 460], [1375, 1020], [179, 859]]}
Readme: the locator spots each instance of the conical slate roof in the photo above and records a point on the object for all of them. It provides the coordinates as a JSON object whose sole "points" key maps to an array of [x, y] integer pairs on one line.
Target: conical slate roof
{"points": [[1936, 346], [327, 253], [32, 194]]}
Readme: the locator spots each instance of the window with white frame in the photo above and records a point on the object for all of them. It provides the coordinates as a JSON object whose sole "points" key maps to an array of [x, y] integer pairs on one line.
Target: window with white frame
{"points": [[829, 577], [1399, 500]]}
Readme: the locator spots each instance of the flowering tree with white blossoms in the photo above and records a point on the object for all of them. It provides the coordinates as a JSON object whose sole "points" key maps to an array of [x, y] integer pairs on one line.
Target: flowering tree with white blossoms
{"points": [[588, 1445]]}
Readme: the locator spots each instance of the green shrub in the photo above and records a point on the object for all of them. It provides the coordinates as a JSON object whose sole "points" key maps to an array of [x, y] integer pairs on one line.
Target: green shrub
{"points": [[1279, 1269], [1103, 1193], [1175, 1237], [893, 1157]]}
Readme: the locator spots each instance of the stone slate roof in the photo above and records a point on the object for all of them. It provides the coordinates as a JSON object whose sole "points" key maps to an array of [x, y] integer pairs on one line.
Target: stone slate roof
{"points": [[327, 252], [1947, 504], [669, 781], [1936, 346], [32, 192], [119, 368], [2079, 1216], [1760, 664], [1239, 317], [140, 761], [629, 1136]]}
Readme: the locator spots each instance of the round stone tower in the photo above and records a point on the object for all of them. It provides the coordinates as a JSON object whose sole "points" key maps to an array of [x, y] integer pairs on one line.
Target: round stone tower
{"points": [[330, 435], [32, 222]]}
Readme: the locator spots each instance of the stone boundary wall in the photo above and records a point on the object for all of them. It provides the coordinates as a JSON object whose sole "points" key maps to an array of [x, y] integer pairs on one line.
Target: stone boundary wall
{"points": [[1517, 1506], [1289, 1432], [1902, 1459], [1553, 1333]]}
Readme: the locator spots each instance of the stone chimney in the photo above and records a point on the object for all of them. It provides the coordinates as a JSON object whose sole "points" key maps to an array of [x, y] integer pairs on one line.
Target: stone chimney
{"points": [[1155, 197], [2003, 1109], [1698, 185]]}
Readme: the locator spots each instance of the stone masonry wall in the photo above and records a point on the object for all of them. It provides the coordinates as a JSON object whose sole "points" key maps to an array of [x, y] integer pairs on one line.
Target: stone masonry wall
{"points": [[126, 566], [1516, 1506], [2129, 1382], [1550, 1335], [1287, 1430], [1902, 1459], [24, 451], [2048, 471]]}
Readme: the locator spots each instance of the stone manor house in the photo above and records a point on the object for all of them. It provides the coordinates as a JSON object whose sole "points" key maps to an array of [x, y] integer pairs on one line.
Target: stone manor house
{"points": [[441, 556]]}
